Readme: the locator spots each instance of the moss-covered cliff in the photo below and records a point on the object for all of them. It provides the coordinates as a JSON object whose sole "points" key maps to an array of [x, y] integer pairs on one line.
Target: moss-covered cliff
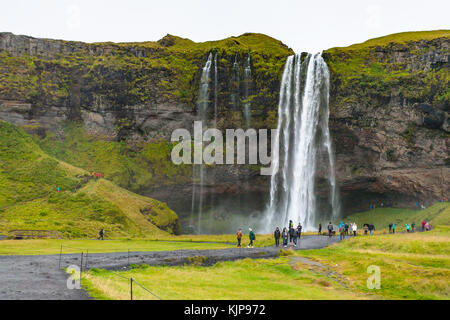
{"points": [[112, 107]]}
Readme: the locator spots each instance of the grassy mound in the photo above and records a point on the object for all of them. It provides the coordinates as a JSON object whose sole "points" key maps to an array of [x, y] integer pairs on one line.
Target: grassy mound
{"points": [[29, 180]]}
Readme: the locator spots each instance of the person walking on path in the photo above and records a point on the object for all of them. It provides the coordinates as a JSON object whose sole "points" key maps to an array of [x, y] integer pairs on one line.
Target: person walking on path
{"points": [[252, 238], [371, 229], [407, 228], [393, 228], [413, 226], [342, 232], [293, 236], [427, 226], [354, 228], [239, 235], [330, 229], [299, 231], [346, 229], [366, 227], [423, 225], [320, 228], [390, 227], [101, 234], [277, 235], [285, 237]]}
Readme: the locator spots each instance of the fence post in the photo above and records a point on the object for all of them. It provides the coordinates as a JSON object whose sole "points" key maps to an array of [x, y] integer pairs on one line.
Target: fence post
{"points": [[60, 254], [81, 266], [131, 288]]}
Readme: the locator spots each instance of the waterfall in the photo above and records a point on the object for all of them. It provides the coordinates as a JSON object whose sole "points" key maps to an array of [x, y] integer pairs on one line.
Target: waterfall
{"points": [[198, 170], [302, 132], [247, 81], [236, 78], [216, 83]]}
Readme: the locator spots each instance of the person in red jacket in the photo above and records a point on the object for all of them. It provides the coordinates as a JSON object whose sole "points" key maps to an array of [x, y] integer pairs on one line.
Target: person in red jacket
{"points": [[423, 225]]}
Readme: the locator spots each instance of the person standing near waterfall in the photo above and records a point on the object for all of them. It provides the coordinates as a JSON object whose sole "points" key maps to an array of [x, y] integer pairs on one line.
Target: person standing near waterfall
{"points": [[299, 231], [252, 238], [239, 235], [330, 229], [285, 237], [277, 235]]}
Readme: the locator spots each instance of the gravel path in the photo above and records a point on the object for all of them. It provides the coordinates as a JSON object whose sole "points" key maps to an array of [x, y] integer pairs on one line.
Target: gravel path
{"points": [[39, 277]]}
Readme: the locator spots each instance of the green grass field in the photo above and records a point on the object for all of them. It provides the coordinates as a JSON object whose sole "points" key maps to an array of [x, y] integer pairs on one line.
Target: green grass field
{"points": [[437, 214], [412, 266], [48, 247]]}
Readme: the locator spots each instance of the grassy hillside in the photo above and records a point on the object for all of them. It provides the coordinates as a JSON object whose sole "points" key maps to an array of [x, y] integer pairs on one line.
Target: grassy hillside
{"points": [[437, 214], [132, 167], [412, 266], [370, 72], [29, 180]]}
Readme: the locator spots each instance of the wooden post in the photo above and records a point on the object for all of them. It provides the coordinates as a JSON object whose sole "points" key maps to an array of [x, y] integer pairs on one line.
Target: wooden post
{"points": [[60, 256], [81, 266], [131, 288]]}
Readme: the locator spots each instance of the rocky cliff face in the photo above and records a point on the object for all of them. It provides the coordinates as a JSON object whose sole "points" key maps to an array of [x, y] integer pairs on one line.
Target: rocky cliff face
{"points": [[389, 101]]}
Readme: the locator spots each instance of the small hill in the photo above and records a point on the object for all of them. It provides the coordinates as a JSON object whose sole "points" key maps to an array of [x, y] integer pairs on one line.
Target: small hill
{"points": [[29, 197]]}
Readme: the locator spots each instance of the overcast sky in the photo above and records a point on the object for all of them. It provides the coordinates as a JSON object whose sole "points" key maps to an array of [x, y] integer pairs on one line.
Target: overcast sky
{"points": [[303, 25]]}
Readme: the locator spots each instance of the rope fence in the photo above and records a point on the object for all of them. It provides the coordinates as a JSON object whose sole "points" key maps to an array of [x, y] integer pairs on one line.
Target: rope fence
{"points": [[85, 257]]}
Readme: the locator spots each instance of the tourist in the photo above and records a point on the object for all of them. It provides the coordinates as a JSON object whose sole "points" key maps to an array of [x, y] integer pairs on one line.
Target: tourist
{"points": [[291, 224], [293, 236], [330, 229], [239, 235], [407, 228], [101, 234], [427, 226], [390, 227], [277, 235], [413, 225], [342, 232], [423, 225], [320, 228], [346, 229], [354, 228], [299, 230], [371, 228], [393, 228], [366, 227], [252, 238], [285, 237]]}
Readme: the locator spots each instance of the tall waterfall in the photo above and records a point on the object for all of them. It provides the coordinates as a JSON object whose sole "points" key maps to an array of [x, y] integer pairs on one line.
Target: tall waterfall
{"points": [[216, 84], [302, 134], [247, 82], [198, 169]]}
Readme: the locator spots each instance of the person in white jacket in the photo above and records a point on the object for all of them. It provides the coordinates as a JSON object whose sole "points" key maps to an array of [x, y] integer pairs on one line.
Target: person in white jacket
{"points": [[354, 229]]}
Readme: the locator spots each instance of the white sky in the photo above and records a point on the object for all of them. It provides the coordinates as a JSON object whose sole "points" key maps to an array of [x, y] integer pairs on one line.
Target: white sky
{"points": [[303, 25]]}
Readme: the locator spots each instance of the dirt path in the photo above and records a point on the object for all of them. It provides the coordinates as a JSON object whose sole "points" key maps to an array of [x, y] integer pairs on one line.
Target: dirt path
{"points": [[39, 277]]}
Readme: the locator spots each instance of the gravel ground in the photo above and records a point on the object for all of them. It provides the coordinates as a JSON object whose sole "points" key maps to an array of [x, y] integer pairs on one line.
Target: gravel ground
{"points": [[40, 278]]}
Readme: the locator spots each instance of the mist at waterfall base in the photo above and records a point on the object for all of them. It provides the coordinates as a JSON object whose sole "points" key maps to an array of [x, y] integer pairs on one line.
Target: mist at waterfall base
{"points": [[304, 161]]}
